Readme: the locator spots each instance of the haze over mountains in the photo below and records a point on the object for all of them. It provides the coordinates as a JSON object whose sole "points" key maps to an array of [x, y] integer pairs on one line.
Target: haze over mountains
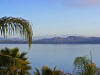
{"points": [[54, 40]]}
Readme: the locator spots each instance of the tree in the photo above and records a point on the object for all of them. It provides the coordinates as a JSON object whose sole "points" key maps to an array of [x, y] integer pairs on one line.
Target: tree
{"points": [[11, 25], [13, 63], [47, 71], [85, 66]]}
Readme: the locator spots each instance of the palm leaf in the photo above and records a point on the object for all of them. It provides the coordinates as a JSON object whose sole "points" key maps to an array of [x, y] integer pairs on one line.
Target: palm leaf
{"points": [[37, 72], [11, 25]]}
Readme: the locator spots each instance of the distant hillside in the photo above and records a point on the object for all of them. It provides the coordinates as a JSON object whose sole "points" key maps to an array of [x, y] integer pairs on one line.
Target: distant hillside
{"points": [[69, 40], [55, 40]]}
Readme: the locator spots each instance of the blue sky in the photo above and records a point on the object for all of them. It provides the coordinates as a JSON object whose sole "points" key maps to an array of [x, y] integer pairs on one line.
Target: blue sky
{"points": [[49, 17]]}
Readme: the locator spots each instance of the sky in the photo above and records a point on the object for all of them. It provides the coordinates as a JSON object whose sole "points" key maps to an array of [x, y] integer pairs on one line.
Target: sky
{"points": [[56, 17]]}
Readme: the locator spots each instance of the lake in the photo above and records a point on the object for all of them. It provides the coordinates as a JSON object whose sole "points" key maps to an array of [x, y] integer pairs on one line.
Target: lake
{"points": [[61, 56]]}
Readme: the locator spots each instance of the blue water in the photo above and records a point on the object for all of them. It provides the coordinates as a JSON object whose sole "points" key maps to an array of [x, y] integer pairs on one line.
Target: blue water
{"points": [[61, 56]]}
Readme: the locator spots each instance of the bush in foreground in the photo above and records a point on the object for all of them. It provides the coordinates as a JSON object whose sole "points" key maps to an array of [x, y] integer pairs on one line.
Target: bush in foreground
{"points": [[12, 62]]}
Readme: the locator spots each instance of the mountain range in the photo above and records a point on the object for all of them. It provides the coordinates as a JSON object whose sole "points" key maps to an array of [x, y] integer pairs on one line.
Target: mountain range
{"points": [[54, 40]]}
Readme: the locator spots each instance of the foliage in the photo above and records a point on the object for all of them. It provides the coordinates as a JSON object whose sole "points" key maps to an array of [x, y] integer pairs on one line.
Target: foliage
{"points": [[47, 71], [84, 66], [13, 63], [11, 25]]}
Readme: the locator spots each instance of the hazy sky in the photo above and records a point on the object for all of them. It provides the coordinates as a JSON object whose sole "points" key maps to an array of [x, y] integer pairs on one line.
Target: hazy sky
{"points": [[59, 17]]}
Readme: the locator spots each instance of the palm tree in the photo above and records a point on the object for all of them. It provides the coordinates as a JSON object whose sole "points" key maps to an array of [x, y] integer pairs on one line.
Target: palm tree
{"points": [[47, 71], [84, 66], [13, 63], [11, 25]]}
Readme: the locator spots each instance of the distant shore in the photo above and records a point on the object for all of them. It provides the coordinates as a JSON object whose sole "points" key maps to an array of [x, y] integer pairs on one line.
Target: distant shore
{"points": [[56, 40]]}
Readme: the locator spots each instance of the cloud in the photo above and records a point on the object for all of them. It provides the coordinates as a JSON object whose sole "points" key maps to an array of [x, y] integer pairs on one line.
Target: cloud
{"points": [[91, 2], [79, 3]]}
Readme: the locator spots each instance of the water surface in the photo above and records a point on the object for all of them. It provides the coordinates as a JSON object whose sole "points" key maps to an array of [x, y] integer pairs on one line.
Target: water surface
{"points": [[61, 56]]}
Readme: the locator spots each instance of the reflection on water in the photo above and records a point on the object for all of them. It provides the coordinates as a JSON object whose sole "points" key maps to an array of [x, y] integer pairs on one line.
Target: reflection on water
{"points": [[61, 56]]}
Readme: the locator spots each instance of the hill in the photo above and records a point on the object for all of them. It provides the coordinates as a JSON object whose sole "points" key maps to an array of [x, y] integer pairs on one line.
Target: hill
{"points": [[55, 40]]}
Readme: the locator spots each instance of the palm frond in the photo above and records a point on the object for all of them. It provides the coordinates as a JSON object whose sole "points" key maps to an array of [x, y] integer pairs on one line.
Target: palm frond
{"points": [[11, 25], [37, 72]]}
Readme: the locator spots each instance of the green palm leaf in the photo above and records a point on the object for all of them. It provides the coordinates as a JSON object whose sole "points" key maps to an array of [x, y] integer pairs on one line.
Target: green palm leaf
{"points": [[11, 25], [12, 61]]}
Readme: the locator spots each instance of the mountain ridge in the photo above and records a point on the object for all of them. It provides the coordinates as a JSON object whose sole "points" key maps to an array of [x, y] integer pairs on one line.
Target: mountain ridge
{"points": [[55, 40]]}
